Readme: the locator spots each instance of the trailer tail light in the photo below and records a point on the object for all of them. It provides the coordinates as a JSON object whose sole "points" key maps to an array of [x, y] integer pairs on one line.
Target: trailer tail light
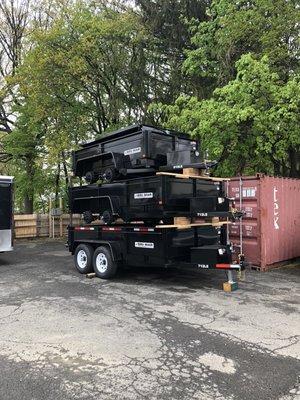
{"points": [[223, 266], [84, 228], [228, 266], [110, 229]]}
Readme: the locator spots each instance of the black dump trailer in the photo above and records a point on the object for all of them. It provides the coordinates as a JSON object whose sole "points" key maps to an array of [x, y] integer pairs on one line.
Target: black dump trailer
{"points": [[135, 150], [150, 199], [6, 213], [103, 249], [148, 181]]}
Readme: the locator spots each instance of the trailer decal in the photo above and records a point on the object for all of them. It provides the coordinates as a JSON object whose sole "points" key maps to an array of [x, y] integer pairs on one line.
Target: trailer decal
{"points": [[144, 245], [148, 195], [132, 151], [205, 266]]}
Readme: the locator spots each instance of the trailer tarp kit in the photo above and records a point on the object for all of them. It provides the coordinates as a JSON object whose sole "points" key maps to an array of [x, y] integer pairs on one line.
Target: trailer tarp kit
{"points": [[157, 207], [269, 232]]}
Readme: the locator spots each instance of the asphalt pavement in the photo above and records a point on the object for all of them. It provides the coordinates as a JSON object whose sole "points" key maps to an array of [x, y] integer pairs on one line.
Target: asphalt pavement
{"points": [[146, 334]]}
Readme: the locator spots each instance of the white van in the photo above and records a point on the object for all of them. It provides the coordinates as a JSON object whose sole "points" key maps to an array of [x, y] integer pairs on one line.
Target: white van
{"points": [[6, 213]]}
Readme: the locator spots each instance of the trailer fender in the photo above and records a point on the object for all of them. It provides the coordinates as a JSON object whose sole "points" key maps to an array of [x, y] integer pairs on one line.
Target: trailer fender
{"points": [[114, 247]]}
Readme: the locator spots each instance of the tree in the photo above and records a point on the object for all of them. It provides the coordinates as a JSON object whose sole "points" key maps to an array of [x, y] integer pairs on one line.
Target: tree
{"points": [[13, 20], [233, 28], [169, 22], [250, 125]]}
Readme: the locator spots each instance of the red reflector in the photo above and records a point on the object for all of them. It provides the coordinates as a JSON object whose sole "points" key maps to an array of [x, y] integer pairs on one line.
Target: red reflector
{"points": [[108, 228], [142, 229], [223, 266]]}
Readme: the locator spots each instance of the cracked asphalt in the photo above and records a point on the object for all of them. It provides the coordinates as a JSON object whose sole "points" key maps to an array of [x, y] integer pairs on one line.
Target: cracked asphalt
{"points": [[147, 334]]}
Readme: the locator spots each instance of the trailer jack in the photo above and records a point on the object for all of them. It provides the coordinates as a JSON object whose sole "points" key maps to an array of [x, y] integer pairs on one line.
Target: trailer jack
{"points": [[231, 284]]}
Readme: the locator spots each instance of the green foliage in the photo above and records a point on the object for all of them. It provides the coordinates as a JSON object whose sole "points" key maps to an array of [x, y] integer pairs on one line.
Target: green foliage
{"points": [[249, 125], [224, 71], [262, 27]]}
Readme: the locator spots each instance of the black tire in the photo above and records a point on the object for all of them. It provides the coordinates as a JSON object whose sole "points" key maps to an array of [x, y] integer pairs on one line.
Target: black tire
{"points": [[151, 222], [104, 265], [90, 177], [88, 217], [168, 220], [107, 217], [84, 258], [110, 175]]}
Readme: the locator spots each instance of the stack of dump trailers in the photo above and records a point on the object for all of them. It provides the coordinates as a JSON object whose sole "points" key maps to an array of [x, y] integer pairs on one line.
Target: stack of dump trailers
{"points": [[146, 202]]}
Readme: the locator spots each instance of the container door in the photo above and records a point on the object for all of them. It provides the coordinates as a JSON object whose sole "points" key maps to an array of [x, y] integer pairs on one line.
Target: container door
{"points": [[247, 234]]}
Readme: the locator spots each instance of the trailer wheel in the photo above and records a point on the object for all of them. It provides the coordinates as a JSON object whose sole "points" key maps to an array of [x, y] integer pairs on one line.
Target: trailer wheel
{"points": [[88, 217], [110, 174], [104, 265], [84, 258], [90, 177], [107, 217]]}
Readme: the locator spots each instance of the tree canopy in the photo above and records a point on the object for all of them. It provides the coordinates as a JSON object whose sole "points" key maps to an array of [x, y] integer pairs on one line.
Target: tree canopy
{"points": [[224, 71]]}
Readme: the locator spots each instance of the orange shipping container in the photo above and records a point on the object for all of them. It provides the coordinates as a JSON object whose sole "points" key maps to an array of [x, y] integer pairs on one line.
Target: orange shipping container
{"points": [[271, 225]]}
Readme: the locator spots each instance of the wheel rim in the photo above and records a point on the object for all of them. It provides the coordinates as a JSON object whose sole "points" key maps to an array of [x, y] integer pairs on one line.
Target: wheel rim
{"points": [[101, 262], [81, 259]]}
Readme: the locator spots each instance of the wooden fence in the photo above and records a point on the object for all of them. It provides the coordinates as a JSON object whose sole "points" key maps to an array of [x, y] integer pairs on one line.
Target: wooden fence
{"points": [[41, 225]]}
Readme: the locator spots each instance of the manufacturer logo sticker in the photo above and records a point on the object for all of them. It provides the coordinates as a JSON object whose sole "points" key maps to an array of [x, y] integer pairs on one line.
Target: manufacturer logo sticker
{"points": [[132, 151], [147, 195], [144, 245]]}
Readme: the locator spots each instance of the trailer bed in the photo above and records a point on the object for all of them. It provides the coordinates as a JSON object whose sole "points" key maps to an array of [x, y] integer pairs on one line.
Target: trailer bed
{"points": [[203, 247]]}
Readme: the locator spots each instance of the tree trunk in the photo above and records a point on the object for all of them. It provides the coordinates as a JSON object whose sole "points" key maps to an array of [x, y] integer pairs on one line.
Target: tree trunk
{"points": [[28, 204], [65, 169], [294, 157], [57, 179], [29, 195]]}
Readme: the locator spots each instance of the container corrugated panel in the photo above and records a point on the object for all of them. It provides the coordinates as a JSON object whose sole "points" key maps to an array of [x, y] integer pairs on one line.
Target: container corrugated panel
{"points": [[271, 225]]}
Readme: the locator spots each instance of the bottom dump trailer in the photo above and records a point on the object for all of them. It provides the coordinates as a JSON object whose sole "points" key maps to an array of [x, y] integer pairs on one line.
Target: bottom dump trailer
{"points": [[102, 248]]}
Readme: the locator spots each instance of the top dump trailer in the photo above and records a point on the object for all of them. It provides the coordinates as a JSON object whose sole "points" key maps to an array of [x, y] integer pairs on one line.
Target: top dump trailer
{"points": [[134, 151], [6, 213]]}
